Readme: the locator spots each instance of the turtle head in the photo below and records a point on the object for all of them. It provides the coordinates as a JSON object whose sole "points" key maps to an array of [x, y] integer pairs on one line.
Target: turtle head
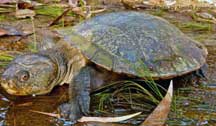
{"points": [[29, 74]]}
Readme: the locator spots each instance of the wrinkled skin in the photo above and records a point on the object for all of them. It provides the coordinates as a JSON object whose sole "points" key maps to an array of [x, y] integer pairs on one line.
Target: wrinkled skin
{"points": [[38, 73], [27, 73]]}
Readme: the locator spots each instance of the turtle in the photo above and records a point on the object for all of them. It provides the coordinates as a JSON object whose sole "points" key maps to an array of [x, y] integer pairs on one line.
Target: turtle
{"points": [[106, 48]]}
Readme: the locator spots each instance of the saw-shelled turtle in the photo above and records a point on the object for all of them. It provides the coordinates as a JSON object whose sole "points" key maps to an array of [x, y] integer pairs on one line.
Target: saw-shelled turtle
{"points": [[105, 48]]}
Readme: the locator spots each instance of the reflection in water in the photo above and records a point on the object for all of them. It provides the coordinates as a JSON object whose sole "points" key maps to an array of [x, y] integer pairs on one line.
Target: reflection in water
{"points": [[17, 112], [4, 103]]}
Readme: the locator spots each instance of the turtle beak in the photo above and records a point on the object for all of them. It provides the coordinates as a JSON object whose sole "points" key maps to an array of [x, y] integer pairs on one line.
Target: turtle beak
{"points": [[8, 85]]}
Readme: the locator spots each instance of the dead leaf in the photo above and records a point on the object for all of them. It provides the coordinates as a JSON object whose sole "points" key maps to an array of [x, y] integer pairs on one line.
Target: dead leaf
{"points": [[213, 11], [100, 124], [108, 119], [78, 11], [25, 5], [28, 4], [10, 30], [73, 3], [7, 1], [98, 11], [131, 3], [24, 13], [160, 113], [3, 32], [205, 15]]}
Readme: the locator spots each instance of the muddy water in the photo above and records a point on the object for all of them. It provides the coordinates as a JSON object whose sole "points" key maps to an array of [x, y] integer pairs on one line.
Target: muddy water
{"points": [[18, 111]]}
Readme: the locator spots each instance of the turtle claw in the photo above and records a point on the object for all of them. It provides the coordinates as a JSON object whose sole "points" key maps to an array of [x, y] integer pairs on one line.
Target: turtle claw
{"points": [[76, 108], [64, 110], [70, 112]]}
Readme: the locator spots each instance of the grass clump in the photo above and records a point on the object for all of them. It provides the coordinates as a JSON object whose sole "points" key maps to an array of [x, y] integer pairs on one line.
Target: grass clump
{"points": [[2, 17], [195, 26], [159, 12], [129, 95], [5, 58]]}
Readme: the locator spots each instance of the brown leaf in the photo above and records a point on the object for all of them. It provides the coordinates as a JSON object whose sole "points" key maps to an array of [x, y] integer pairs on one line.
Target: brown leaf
{"points": [[100, 124], [25, 5], [3, 32], [73, 3], [7, 1], [108, 119], [10, 30], [160, 113], [28, 4]]}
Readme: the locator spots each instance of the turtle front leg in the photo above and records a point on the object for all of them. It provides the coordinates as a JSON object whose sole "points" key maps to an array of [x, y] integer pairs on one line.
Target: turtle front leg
{"points": [[79, 96]]}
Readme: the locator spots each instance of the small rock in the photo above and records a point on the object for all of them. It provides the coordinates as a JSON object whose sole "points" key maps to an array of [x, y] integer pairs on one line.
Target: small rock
{"points": [[186, 103], [24, 13], [202, 123], [205, 15]]}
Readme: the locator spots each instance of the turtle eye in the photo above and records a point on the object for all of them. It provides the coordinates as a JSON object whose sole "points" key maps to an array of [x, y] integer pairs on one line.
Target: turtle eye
{"points": [[23, 76]]}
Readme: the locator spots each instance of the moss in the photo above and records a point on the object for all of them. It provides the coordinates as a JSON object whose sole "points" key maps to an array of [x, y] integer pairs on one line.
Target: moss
{"points": [[202, 37], [2, 17], [53, 11], [158, 12], [7, 18]]}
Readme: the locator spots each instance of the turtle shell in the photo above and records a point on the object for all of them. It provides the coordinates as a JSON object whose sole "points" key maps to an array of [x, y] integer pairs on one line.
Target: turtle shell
{"points": [[136, 44]]}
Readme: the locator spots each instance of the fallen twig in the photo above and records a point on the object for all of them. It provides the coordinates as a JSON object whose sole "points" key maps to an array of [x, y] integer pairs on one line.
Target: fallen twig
{"points": [[46, 113], [59, 17], [98, 11]]}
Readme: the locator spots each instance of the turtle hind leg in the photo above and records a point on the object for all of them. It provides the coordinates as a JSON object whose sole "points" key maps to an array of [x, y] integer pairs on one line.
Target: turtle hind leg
{"points": [[200, 76], [202, 72], [79, 96], [195, 78]]}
